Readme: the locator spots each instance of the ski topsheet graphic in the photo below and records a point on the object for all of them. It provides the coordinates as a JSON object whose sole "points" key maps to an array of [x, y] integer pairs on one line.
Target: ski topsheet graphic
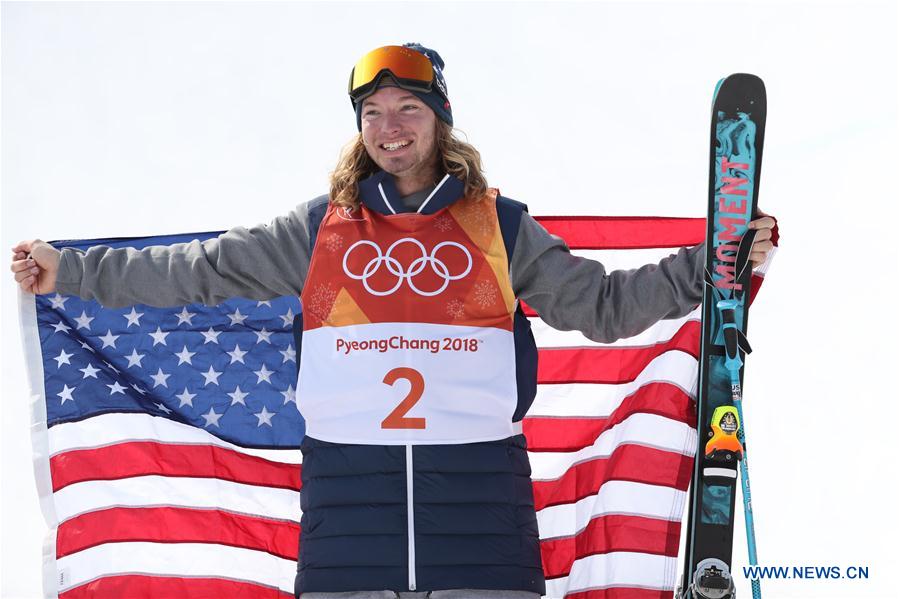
{"points": [[737, 135]]}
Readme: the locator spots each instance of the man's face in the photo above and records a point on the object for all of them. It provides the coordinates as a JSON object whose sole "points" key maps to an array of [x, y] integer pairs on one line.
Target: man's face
{"points": [[399, 132]]}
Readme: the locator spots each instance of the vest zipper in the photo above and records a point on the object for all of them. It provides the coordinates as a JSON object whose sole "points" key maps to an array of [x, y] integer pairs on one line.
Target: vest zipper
{"points": [[410, 509]]}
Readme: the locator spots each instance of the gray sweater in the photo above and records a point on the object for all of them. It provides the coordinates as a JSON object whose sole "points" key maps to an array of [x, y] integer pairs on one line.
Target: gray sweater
{"points": [[271, 260]]}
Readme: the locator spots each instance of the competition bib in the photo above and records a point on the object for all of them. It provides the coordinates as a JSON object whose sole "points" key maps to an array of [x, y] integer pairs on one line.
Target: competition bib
{"points": [[407, 328]]}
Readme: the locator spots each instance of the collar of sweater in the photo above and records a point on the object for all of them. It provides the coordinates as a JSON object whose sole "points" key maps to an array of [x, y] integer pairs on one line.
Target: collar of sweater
{"points": [[378, 192]]}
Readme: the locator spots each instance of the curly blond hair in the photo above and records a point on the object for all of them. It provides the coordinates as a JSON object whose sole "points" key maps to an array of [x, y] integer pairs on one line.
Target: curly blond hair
{"points": [[459, 158]]}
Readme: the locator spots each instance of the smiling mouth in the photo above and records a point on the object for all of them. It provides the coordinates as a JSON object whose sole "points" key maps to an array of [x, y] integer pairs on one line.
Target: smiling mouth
{"points": [[394, 146]]}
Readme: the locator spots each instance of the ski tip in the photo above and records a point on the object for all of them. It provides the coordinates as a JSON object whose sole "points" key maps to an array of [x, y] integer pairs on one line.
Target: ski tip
{"points": [[749, 84], [746, 80], [740, 93]]}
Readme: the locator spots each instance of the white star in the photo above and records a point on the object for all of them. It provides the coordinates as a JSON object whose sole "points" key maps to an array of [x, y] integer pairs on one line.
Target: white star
{"points": [[139, 390], [237, 317], [63, 358], [264, 303], [133, 317], [60, 326], [265, 417], [187, 399], [211, 335], [58, 302], [135, 358], [89, 371], [289, 354], [116, 388], [211, 376], [158, 336], [237, 355], [184, 356], [288, 318], [84, 321], [263, 335], [290, 396], [65, 394], [87, 347], [109, 339], [237, 396], [185, 316], [159, 379], [263, 374], [211, 417], [163, 408]]}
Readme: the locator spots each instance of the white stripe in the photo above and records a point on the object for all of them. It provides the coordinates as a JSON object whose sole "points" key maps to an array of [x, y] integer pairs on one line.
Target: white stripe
{"points": [[617, 569], [156, 491], [626, 259], [614, 497], [719, 472], [660, 332], [593, 400], [384, 196], [410, 521], [108, 429], [40, 445], [647, 430], [188, 560], [431, 195], [763, 267]]}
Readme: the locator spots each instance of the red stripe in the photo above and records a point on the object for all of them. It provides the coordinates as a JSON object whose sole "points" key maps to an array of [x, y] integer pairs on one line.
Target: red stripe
{"points": [[754, 285], [141, 458], [177, 525], [634, 463], [606, 534], [625, 232], [136, 586], [610, 365], [571, 434], [621, 593]]}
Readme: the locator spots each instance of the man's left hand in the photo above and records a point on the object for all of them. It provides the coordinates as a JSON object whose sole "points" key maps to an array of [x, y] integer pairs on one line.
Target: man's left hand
{"points": [[762, 244]]}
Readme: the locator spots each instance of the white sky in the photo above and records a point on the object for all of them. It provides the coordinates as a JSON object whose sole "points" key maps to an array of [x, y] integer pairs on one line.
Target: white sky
{"points": [[125, 119]]}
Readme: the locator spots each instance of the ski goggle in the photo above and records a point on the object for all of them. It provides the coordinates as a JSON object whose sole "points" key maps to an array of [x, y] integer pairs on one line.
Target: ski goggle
{"points": [[411, 70]]}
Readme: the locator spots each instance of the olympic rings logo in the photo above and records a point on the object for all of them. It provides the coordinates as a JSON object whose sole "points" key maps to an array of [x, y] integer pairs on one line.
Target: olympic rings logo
{"points": [[393, 265]]}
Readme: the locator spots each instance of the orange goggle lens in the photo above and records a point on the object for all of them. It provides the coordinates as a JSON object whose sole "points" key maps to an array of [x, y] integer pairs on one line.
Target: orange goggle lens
{"points": [[404, 64]]}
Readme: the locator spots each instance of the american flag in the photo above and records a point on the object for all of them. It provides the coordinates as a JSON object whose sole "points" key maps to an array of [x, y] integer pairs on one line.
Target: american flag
{"points": [[166, 439]]}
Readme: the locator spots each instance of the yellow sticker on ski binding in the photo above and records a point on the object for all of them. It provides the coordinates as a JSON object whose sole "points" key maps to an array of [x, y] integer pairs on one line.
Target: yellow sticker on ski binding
{"points": [[724, 445]]}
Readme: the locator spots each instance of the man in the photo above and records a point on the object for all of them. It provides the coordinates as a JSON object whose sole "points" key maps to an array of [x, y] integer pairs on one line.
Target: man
{"points": [[417, 364]]}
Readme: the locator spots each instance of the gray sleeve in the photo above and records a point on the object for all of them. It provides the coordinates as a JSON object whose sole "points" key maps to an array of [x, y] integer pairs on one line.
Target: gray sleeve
{"points": [[262, 262], [575, 293]]}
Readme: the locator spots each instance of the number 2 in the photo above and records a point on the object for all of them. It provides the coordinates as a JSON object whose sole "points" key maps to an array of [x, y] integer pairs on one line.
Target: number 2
{"points": [[397, 418]]}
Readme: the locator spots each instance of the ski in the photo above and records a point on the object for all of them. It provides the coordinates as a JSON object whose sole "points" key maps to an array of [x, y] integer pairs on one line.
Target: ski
{"points": [[737, 136]]}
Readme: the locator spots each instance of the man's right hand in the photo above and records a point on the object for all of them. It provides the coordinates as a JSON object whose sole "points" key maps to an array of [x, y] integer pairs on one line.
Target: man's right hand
{"points": [[35, 264]]}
